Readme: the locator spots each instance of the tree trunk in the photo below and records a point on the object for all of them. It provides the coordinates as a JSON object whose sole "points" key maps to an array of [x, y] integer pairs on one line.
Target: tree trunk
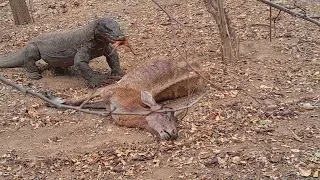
{"points": [[20, 12], [229, 40]]}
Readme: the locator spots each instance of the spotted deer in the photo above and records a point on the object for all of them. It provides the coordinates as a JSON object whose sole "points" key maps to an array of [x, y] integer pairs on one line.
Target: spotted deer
{"points": [[144, 88]]}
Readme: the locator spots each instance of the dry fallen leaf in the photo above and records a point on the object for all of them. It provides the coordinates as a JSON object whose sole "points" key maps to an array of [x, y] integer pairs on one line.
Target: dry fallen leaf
{"points": [[156, 162], [260, 63], [3, 4], [295, 150], [307, 106], [212, 161], [304, 172]]}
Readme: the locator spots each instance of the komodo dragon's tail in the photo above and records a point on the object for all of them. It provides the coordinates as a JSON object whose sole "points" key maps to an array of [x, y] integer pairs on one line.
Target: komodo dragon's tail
{"points": [[12, 60]]}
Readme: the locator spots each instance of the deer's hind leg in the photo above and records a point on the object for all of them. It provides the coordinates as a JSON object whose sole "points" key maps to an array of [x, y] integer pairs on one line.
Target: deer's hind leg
{"points": [[100, 104], [79, 100]]}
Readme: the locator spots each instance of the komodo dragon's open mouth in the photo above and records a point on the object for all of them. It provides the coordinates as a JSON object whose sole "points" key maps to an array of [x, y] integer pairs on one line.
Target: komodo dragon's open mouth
{"points": [[113, 40], [124, 42], [116, 43]]}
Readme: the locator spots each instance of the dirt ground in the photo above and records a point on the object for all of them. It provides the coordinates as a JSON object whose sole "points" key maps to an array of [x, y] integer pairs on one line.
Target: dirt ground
{"points": [[270, 130]]}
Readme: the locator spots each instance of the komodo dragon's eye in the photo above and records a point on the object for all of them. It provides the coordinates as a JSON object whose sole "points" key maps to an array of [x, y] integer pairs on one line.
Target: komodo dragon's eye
{"points": [[108, 29]]}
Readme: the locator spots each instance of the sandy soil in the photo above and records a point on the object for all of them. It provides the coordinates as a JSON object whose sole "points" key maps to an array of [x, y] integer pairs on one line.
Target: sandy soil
{"points": [[270, 130]]}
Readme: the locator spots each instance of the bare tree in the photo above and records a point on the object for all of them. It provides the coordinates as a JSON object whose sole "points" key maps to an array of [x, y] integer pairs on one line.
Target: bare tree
{"points": [[20, 12], [229, 40]]}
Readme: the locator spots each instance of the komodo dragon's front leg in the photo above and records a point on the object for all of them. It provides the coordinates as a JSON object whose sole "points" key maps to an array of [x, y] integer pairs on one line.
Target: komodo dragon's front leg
{"points": [[81, 61], [32, 54], [112, 58]]}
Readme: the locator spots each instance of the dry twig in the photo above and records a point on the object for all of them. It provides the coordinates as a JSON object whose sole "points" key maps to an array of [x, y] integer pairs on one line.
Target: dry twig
{"points": [[270, 17], [167, 13], [58, 105], [299, 15], [296, 137], [50, 101]]}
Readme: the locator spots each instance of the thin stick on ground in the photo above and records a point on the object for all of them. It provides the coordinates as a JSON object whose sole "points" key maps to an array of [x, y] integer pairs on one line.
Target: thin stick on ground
{"points": [[52, 102], [270, 20], [167, 13], [58, 105], [295, 136], [202, 76], [187, 106]]}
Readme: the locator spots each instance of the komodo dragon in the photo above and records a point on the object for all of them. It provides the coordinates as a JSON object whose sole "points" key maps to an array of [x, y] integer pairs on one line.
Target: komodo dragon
{"points": [[73, 47]]}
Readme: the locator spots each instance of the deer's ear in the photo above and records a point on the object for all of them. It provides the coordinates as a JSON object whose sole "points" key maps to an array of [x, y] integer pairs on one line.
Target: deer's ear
{"points": [[147, 99], [180, 114], [113, 105]]}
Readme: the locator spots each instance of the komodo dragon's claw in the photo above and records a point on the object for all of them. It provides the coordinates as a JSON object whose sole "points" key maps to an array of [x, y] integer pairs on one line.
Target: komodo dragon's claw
{"points": [[53, 98], [34, 75]]}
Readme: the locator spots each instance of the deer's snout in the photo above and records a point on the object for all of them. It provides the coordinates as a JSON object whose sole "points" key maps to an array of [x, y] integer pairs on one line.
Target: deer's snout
{"points": [[174, 134], [169, 135]]}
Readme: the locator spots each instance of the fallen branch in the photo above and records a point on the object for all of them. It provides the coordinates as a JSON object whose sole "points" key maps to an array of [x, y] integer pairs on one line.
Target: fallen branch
{"points": [[55, 102], [301, 8], [185, 107], [28, 91], [46, 99], [299, 15]]}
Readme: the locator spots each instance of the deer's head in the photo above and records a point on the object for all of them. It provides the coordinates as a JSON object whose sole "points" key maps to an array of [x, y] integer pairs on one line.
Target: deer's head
{"points": [[163, 123]]}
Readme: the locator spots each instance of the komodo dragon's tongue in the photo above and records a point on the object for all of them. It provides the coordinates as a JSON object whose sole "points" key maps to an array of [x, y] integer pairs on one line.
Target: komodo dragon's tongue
{"points": [[124, 42]]}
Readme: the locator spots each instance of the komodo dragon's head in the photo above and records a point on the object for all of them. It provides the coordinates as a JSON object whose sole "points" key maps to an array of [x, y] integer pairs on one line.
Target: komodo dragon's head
{"points": [[109, 29]]}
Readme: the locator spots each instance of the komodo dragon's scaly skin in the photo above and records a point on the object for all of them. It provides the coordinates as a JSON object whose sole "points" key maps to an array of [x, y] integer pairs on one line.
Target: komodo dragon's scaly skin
{"points": [[74, 47]]}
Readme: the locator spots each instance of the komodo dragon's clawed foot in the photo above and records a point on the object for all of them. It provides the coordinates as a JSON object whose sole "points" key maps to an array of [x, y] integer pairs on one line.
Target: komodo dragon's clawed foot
{"points": [[62, 71], [100, 80], [96, 82], [115, 78], [117, 73], [34, 75]]}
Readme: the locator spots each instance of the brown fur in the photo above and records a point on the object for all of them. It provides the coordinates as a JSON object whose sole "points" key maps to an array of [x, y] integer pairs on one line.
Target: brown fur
{"points": [[162, 78]]}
